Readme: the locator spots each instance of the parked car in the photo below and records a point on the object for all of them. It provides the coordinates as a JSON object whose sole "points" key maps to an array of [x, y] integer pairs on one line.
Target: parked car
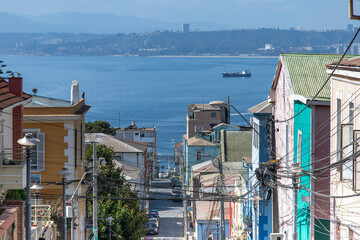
{"points": [[176, 189], [154, 212], [177, 197], [155, 220], [152, 228]]}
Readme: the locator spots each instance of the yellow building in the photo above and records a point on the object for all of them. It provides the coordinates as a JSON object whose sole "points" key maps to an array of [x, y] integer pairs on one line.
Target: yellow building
{"points": [[60, 126]]}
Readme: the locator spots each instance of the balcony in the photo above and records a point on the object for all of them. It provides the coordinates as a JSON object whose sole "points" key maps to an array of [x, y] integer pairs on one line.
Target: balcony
{"points": [[12, 172]]}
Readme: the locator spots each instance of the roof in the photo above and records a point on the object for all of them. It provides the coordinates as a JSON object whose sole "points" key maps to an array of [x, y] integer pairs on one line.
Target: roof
{"points": [[194, 141], [131, 172], [8, 99], [348, 64], [263, 107], [225, 125], [204, 107], [307, 73], [203, 210], [39, 101], [118, 145]]}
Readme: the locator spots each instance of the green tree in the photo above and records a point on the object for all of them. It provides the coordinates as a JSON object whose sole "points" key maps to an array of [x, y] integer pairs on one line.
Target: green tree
{"points": [[116, 199], [99, 127]]}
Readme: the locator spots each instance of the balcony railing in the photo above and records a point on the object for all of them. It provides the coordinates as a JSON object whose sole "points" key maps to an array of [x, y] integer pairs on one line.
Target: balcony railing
{"points": [[12, 170]]}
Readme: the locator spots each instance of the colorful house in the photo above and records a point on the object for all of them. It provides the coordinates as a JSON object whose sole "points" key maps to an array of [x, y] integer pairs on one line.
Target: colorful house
{"points": [[198, 150], [59, 125], [345, 162], [261, 114], [302, 133]]}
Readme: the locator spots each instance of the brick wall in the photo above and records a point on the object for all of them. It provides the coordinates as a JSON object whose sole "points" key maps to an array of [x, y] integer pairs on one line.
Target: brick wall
{"points": [[20, 217], [16, 88], [17, 131]]}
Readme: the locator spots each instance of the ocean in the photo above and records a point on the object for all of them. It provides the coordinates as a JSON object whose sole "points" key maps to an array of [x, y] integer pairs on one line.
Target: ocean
{"points": [[149, 90]]}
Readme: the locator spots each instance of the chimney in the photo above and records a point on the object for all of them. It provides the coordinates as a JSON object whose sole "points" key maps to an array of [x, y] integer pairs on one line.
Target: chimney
{"points": [[132, 122], [16, 86], [74, 92]]}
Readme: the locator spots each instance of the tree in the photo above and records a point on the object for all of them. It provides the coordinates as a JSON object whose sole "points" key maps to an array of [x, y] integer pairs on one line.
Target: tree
{"points": [[99, 127], [128, 217]]}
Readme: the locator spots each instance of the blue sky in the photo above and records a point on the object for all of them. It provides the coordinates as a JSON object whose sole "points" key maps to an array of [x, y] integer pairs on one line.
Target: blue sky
{"points": [[308, 14]]}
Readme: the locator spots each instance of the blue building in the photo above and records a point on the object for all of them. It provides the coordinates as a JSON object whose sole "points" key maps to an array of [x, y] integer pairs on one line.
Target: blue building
{"points": [[260, 154]]}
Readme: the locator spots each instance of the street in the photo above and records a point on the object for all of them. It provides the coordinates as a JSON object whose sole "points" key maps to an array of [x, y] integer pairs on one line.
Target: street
{"points": [[171, 213]]}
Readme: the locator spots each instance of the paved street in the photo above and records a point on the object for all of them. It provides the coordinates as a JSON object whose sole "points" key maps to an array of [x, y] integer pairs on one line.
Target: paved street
{"points": [[171, 213]]}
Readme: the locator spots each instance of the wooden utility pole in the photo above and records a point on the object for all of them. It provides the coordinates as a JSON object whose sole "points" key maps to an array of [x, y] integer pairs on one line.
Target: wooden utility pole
{"points": [[275, 202]]}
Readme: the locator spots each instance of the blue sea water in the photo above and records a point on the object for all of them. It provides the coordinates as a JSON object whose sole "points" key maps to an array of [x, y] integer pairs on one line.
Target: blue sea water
{"points": [[151, 90]]}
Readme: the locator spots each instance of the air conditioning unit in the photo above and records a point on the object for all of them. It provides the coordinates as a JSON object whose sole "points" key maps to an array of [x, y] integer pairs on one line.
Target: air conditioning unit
{"points": [[276, 236]]}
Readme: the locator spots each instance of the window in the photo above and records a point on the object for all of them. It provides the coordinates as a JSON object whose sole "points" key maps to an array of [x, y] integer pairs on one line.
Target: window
{"points": [[299, 147], [76, 148], [35, 178], [37, 155], [338, 129], [213, 114], [346, 151], [198, 155], [256, 136]]}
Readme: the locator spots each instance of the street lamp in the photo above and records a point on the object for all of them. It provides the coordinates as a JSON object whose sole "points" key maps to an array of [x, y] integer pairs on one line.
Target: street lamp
{"points": [[28, 141], [109, 219], [36, 187], [64, 172], [217, 220]]}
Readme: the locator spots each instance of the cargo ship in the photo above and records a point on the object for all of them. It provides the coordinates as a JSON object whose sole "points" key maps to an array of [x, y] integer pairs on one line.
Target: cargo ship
{"points": [[245, 73]]}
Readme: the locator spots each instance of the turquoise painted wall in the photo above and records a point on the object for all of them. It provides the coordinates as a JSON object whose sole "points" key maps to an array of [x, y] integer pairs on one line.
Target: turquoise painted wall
{"points": [[302, 124], [190, 156]]}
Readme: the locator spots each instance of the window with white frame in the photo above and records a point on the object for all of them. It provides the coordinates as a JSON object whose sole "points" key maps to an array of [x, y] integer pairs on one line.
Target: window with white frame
{"points": [[37, 155], [256, 135], [299, 147], [338, 129]]}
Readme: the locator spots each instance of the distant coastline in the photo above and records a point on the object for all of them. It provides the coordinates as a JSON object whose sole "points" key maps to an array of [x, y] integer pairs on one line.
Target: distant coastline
{"points": [[198, 56]]}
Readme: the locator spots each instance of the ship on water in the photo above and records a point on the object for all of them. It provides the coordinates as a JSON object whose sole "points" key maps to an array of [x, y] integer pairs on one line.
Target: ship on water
{"points": [[244, 73]]}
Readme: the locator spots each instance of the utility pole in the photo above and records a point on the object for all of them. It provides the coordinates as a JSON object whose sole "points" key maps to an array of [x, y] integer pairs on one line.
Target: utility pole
{"points": [[273, 169], [221, 193], [295, 177], [95, 200]]}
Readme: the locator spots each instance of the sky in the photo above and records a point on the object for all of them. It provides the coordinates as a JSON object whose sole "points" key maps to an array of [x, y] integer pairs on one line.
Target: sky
{"points": [[307, 14]]}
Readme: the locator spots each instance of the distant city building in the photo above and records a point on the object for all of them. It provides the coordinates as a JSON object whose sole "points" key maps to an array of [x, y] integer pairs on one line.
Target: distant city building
{"points": [[202, 117], [186, 28], [350, 27]]}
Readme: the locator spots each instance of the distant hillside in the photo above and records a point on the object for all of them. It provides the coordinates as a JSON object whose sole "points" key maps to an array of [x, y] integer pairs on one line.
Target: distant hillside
{"points": [[17, 24], [74, 22], [254, 42]]}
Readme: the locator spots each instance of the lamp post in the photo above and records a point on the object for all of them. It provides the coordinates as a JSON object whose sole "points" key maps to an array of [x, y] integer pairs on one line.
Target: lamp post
{"points": [[109, 219], [36, 187], [217, 219], [28, 141], [64, 172]]}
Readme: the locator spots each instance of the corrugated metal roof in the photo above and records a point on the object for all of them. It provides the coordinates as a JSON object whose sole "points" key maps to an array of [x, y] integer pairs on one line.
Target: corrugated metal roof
{"points": [[39, 101], [308, 73], [263, 107], [118, 145]]}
